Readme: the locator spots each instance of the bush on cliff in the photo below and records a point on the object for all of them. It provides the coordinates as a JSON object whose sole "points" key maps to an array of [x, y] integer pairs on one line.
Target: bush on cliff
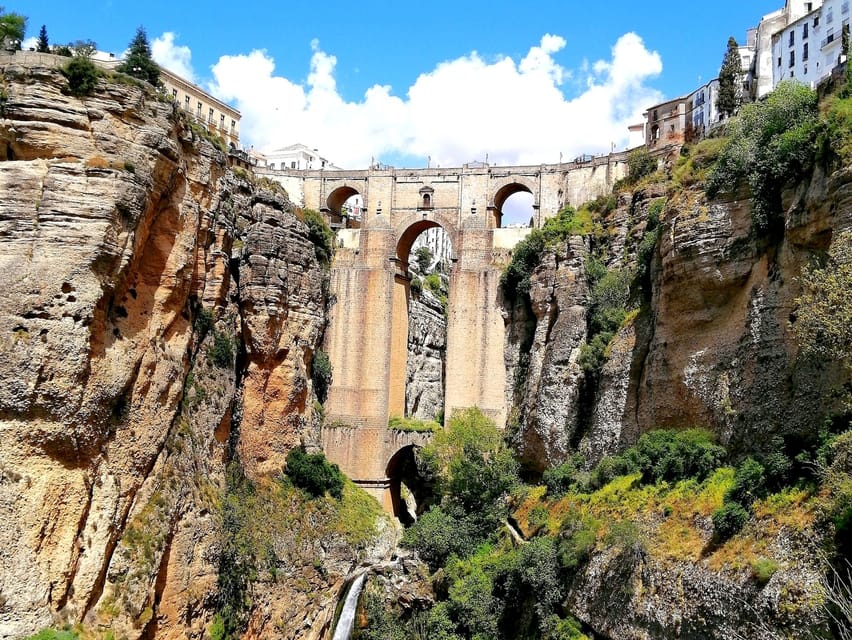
{"points": [[320, 234], [527, 254], [313, 473], [82, 76], [771, 144], [321, 374], [664, 455]]}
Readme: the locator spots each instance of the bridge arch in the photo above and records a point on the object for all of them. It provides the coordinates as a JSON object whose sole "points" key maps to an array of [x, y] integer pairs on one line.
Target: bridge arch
{"points": [[505, 189], [411, 226]]}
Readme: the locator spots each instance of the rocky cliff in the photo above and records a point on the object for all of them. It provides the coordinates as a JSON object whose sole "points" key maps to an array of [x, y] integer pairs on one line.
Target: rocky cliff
{"points": [[712, 344], [427, 345], [160, 317]]}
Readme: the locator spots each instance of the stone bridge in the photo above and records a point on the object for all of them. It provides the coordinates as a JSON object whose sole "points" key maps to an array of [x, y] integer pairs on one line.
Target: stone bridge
{"points": [[367, 337]]}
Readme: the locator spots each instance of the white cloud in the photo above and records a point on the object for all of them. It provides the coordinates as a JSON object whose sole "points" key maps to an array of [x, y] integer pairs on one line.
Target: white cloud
{"points": [[29, 43], [174, 57], [517, 112]]}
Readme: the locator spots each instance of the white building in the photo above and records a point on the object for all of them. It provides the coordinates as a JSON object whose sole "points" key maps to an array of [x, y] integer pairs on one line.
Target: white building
{"points": [[809, 48], [297, 156], [439, 245], [765, 60], [703, 112]]}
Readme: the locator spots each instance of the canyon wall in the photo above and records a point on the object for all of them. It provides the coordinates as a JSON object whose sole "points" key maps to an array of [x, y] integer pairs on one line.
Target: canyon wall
{"points": [[159, 317]]}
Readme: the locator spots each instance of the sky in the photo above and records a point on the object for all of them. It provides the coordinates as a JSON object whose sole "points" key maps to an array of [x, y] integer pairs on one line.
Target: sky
{"points": [[411, 84]]}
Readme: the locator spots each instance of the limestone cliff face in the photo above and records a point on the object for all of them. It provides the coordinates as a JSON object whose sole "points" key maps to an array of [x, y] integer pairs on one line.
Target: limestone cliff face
{"points": [[713, 347], [136, 272], [427, 344], [544, 343]]}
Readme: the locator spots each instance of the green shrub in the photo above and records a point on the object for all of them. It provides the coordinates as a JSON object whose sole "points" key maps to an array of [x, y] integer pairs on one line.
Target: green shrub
{"points": [[54, 634], [433, 283], [563, 478], [313, 473], [413, 425], [437, 535], [749, 483], [82, 75], [321, 235], [771, 144], [203, 322], [321, 374], [424, 257], [577, 539], [416, 285], [556, 628], [527, 254], [728, 520], [664, 455], [538, 517], [762, 570], [222, 352], [640, 163]]}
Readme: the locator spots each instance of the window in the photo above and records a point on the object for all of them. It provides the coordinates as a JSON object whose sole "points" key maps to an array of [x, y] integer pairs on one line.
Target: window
{"points": [[198, 110], [186, 103], [293, 164], [792, 59], [809, 6], [816, 21], [792, 37], [804, 52], [805, 31], [844, 8], [829, 18], [174, 94], [233, 125], [222, 121], [779, 61]]}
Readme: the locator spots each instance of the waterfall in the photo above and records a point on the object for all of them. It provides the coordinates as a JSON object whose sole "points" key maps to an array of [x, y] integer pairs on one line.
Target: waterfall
{"points": [[347, 616]]}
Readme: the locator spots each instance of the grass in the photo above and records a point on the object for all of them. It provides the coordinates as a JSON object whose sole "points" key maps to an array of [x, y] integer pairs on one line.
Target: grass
{"points": [[413, 425]]}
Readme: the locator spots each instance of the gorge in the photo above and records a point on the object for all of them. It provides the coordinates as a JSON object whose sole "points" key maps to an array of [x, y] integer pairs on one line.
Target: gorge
{"points": [[165, 316]]}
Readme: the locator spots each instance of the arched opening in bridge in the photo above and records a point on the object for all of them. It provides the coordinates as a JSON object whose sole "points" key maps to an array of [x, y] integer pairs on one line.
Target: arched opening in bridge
{"points": [[419, 334], [345, 206], [411, 492], [514, 206]]}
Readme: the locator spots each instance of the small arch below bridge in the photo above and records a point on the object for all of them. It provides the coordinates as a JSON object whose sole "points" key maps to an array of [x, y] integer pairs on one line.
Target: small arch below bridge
{"points": [[411, 493]]}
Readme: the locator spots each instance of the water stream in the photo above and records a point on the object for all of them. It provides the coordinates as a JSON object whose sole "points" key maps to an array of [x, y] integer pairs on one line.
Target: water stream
{"points": [[347, 616]]}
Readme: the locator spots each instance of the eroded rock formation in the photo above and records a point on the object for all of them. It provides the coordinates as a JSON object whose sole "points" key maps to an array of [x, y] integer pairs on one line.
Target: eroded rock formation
{"points": [[137, 270]]}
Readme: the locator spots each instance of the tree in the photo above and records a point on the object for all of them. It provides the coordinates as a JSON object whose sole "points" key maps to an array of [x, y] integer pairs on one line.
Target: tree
{"points": [[82, 76], [43, 44], [139, 62], [729, 98], [84, 48], [12, 27], [424, 258]]}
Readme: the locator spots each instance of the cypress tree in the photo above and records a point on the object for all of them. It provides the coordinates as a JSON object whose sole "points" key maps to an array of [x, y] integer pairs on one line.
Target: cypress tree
{"points": [[139, 62], [43, 44], [729, 98]]}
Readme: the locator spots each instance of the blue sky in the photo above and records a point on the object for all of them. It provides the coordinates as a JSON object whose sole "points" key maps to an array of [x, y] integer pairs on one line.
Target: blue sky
{"points": [[522, 82]]}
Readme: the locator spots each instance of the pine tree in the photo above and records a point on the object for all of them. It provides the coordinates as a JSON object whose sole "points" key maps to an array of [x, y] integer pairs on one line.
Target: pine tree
{"points": [[139, 63], [43, 44], [729, 98]]}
